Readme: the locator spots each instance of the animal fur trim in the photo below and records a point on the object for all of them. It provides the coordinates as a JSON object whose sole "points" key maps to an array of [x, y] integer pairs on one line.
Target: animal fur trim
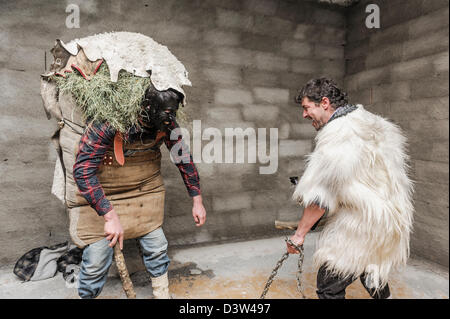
{"points": [[359, 171]]}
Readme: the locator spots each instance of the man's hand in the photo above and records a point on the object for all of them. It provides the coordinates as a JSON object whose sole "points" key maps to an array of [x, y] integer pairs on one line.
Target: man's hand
{"points": [[198, 211], [311, 215], [296, 239], [113, 229]]}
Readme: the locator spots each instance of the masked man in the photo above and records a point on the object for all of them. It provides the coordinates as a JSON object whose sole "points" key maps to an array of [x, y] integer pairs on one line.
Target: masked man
{"points": [[116, 97], [97, 139], [357, 175]]}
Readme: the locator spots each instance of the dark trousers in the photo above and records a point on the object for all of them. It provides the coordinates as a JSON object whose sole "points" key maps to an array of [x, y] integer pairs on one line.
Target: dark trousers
{"points": [[330, 286]]}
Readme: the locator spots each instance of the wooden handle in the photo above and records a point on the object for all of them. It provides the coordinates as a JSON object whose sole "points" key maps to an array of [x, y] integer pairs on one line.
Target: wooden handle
{"points": [[127, 284], [286, 225]]}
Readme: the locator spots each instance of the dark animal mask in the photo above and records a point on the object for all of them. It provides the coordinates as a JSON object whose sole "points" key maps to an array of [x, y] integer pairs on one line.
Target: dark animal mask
{"points": [[160, 107]]}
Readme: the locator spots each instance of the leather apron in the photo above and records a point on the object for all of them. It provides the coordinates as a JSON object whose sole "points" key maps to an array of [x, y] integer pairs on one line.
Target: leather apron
{"points": [[135, 190]]}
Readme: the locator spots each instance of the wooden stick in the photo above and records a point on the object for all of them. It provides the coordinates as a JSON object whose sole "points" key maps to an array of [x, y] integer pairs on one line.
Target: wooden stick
{"points": [[286, 225], [294, 224], [127, 284]]}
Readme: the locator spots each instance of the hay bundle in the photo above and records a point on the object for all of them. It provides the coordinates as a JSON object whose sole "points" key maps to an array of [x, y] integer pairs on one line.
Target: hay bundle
{"points": [[100, 99], [118, 103]]}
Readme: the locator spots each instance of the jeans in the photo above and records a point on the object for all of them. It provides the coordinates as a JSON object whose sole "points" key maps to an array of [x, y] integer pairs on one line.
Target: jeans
{"points": [[97, 259], [330, 286]]}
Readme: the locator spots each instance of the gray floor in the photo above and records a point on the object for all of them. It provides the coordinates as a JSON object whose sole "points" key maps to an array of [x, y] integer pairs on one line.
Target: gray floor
{"points": [[235, 270]]}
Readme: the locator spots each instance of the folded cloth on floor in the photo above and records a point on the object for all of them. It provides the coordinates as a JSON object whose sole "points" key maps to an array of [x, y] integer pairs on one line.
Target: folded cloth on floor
{"points": [[67, 263], [44, 262]]}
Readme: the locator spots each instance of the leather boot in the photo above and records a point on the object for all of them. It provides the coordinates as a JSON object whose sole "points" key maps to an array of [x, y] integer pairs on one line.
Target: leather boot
{"points": [[160, 287]]}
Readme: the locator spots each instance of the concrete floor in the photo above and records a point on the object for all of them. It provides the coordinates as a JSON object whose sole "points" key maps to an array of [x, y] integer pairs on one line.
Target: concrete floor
{"points": [[236, 270]]}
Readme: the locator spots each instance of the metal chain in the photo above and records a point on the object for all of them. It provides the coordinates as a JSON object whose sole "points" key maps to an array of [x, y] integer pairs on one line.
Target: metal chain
{"points": [[273, 274], [299, 267], [280, 263]]}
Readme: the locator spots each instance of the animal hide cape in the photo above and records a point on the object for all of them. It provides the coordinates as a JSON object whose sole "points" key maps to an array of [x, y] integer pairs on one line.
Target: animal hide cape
{"points": [[359, 171], [133, 52]]}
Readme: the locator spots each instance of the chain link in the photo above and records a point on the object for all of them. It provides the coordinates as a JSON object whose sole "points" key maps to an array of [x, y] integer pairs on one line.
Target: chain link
{"points": [[280, 263]]}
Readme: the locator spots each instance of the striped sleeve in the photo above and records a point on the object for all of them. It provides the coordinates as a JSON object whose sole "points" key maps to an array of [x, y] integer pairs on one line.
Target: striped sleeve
{"points": [[182, 158], [95, 141]]}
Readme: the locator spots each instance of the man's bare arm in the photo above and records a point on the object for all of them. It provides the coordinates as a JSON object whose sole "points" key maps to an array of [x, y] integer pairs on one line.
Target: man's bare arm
{"points": [[311, 215]]}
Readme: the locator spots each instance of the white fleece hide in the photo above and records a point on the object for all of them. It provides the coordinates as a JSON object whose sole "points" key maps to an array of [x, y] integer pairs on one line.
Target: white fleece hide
{"points": [[136, 54], [359, 170]]}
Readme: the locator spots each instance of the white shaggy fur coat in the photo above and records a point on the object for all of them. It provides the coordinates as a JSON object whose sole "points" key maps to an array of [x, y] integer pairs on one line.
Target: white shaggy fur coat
{"points": [[358, 170]]}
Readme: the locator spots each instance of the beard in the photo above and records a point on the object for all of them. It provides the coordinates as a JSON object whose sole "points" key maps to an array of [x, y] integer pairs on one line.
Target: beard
{"points": [[317, 125]]}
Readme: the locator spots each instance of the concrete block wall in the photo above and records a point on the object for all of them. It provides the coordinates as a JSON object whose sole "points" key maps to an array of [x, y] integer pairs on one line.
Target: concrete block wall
{"points": [[254, 57], [246, 60], [400, 71]]}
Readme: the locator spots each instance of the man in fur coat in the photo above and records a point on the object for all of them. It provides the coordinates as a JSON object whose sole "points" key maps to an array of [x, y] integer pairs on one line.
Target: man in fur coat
{"points": [[357, 177]]}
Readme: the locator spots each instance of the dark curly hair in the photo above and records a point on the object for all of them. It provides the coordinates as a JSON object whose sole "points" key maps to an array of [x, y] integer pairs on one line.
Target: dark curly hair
{"points": [[316, 89]]}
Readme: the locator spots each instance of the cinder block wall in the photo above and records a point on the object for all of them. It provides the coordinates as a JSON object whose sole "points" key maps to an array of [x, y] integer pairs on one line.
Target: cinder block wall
{"points": [[246, 59], [400, 71]]}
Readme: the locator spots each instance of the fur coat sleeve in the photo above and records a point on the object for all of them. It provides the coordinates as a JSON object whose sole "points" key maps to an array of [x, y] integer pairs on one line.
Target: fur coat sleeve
{"points": [[332, 164]]}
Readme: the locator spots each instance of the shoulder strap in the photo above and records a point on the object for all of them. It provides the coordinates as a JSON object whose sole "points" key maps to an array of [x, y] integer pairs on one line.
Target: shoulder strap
{"points": [[118, 148]]}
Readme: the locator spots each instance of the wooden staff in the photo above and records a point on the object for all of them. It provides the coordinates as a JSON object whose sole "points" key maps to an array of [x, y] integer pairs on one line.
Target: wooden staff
{"points": [[286, 225], [127, 284], [294, 224]]}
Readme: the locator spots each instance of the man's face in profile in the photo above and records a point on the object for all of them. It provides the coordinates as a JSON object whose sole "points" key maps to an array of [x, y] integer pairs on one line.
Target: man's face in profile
{"points": [[313, 111]]}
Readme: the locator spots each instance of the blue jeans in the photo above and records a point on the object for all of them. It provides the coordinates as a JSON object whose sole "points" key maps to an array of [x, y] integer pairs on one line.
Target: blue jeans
{"points": [[97, 259]]}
